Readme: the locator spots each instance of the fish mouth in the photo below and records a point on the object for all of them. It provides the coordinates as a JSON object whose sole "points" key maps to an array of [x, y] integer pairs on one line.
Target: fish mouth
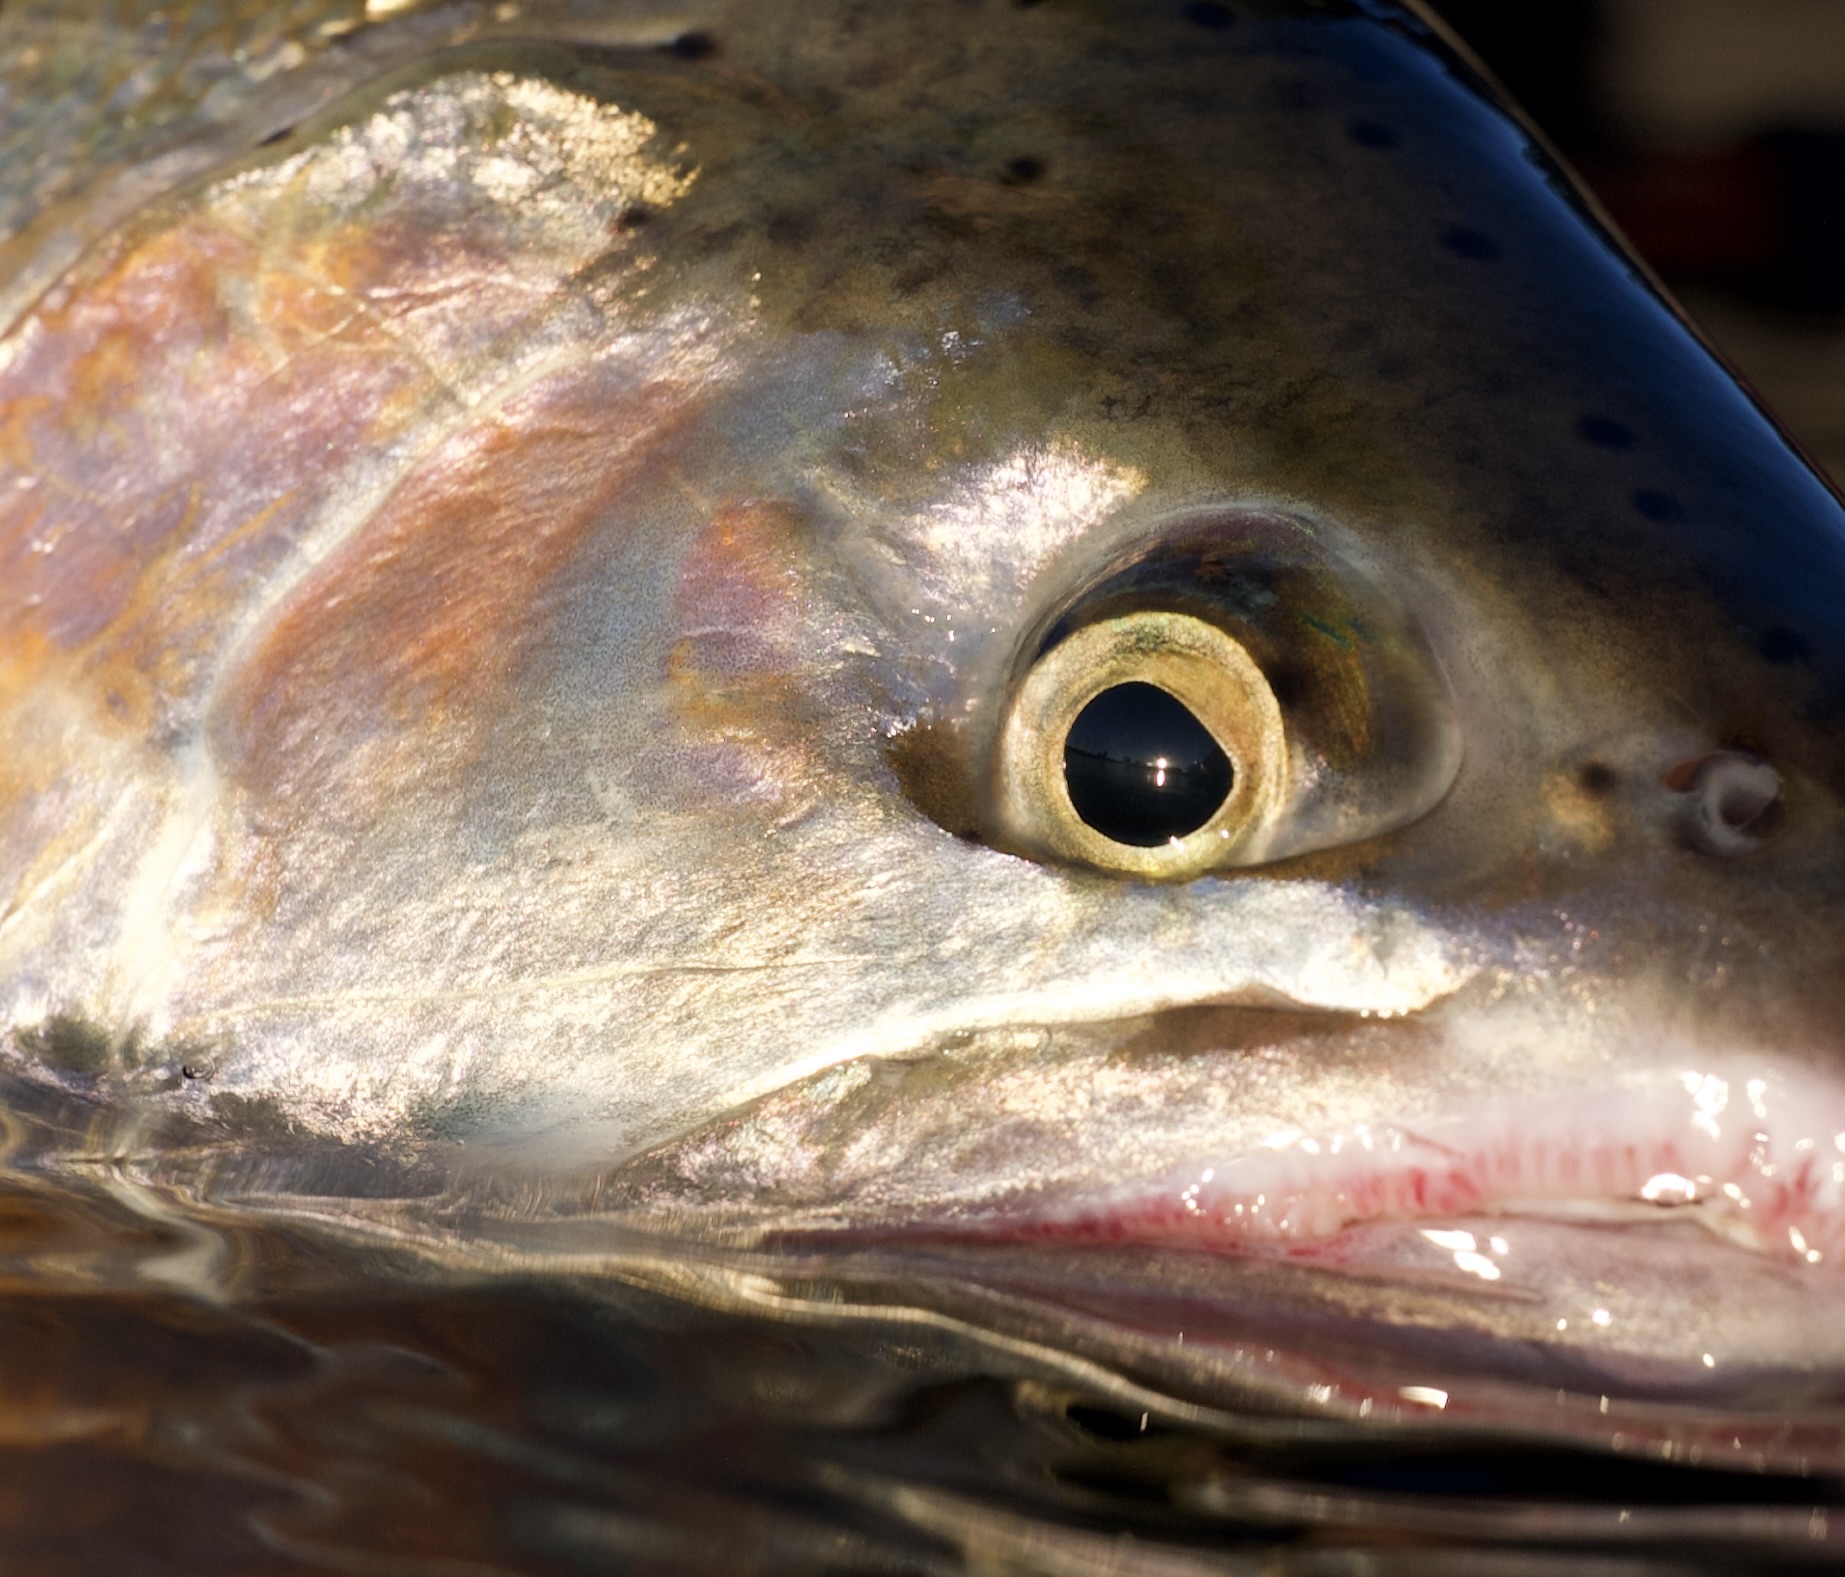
{"points": [[1667, 1224], [1753, 1154], [1672, 1232], [1251, 1131]]}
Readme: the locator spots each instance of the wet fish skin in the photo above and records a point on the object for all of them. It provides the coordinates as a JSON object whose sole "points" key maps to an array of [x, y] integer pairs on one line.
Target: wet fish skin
{"points": [[501, 687]]}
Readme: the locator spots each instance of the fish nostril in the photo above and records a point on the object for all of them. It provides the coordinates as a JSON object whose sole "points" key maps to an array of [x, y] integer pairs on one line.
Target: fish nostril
{"points": [[1598, 778], [1734, 801]]}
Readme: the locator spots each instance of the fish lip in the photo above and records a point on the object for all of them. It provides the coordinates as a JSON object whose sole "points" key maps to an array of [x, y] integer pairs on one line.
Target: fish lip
{"points": [[1585, 1290], [1745, 1144], [1750, 1149]]}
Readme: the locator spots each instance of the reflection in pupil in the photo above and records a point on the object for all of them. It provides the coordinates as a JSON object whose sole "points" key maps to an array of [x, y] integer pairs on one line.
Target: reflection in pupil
{"points": [[1140, 769]]}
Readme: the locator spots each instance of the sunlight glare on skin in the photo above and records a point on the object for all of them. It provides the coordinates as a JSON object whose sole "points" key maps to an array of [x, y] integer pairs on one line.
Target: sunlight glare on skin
{"points": [[1036, 501]]}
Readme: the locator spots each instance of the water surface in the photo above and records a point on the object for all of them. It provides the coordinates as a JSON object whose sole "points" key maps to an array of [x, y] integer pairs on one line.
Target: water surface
{"points": [[207, 1389]]}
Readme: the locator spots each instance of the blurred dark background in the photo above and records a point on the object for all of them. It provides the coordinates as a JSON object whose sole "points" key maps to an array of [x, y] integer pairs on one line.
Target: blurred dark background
{"points": [[1714, 133]]}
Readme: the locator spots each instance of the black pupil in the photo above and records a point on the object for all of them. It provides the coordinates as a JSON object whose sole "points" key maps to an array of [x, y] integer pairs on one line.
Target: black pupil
{"points": [[1140, 769]]}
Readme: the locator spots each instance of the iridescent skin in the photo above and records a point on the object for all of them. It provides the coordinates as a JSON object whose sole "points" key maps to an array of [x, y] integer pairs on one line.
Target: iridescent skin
{"points": [[493, 580]]}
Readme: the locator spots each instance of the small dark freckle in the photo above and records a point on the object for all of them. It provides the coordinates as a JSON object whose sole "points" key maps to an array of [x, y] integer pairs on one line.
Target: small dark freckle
{"points": [[1371, 134], [790, 229], [693, 46], [1597, 777], [633, 217], [1079, 282], [911, 280], [1475, 245], [275, 136], [1782, 645], [1023, 170], [1606, 433], [1662, 507], [1205, 13]]}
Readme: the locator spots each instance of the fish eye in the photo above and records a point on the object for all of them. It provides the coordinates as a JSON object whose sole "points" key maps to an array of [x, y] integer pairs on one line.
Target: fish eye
{"points": [[1234, 689], [1150, 744]]}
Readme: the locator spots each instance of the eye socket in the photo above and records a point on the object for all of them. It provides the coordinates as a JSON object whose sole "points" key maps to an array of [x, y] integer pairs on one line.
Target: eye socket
{"points": [[1237, 688], [1149, 744]]}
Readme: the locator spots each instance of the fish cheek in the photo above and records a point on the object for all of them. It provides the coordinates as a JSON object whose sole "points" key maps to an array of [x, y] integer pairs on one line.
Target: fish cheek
{"points": [[137, 532], [203, 404], [751, 676], [383, 686], [164, 439]]}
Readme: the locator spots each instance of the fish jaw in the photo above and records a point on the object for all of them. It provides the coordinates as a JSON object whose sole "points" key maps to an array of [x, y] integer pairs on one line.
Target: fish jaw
{"points": [[1479, 1193]]}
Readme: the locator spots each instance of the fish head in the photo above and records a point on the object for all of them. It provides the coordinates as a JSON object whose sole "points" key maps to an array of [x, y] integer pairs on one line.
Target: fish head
{"points": [[631, 610]]}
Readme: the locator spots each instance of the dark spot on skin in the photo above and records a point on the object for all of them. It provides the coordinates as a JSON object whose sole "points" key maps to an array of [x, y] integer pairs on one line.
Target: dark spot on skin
{"points": [[692, 46], [912, 280], [1597, 777], [1204, 13], [1605, 433], [1077, 281], [1023, 170], [275, 136], [1781, 645], [253, 1117], [633, 217], [790, 229], [1371, 134], [1475, 245], [1658, 506], [70, 1045]]}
